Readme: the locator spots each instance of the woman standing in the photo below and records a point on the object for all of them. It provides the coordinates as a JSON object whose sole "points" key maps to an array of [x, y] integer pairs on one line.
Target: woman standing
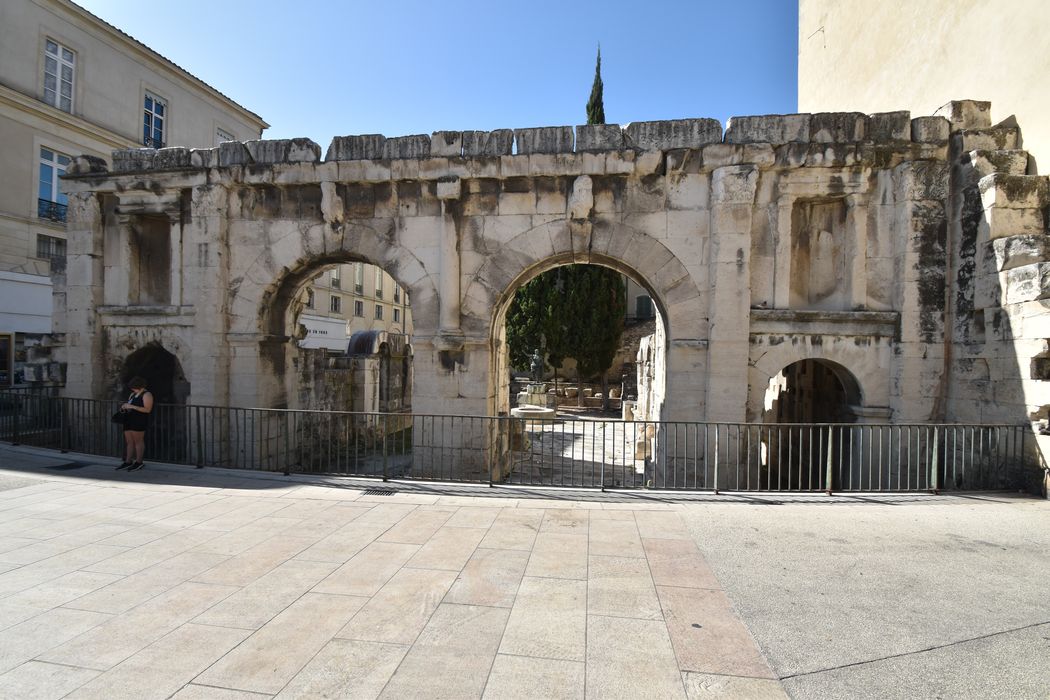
{"points": [[138, 407]]}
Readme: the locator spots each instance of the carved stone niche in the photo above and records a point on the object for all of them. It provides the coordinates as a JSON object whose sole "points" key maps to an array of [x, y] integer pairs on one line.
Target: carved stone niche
{"points": [[820, 270]]}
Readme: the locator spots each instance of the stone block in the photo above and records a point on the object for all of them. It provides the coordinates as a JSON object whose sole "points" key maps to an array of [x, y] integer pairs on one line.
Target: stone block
{"points": [[449, 187], [204, 157], [544, 139], [300, 150], [930, 130], [446, 143], [233, 153], [985, 162], [1028, 283], [593, 138], [364, 147], [889, 127], [133, 160], [87, 165], [838, 127], [1000, 222], [966, 114], [669, 134], [407, 147], [734, 184], [172, 158], [1014, 191], [488, 143], [923, 180], [1016, 251], [997, 138], [770, 128]]}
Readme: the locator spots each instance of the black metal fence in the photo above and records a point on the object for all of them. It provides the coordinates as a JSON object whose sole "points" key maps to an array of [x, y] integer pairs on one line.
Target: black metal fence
{"points": [[541, 452]]}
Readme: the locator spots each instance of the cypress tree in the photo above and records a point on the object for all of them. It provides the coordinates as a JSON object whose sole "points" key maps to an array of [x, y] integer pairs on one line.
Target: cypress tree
{"points": [[596, 104]]}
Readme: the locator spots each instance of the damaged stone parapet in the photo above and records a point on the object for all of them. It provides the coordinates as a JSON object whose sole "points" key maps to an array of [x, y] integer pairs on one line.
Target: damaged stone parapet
{"points": [[87, 165], [672, 134], [967, 114]]}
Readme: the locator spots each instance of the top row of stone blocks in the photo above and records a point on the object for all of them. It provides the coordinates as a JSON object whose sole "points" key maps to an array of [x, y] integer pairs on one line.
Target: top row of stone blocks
{"points": [[891, 128]]}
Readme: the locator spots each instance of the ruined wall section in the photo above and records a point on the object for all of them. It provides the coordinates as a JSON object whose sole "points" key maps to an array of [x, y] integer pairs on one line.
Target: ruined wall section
{"points": [[809, 232]]}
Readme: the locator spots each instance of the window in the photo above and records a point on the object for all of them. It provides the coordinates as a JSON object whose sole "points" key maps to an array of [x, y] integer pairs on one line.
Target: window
{"points": [[222, 136], [359, 278], [59, 63], [335, 279], [52, 249], [397, 315], [155, 113], [336, 304], [51, 203], [379, 312], [359, 308], [397, 294], [643, 307], [309, 298], [379, 285]]}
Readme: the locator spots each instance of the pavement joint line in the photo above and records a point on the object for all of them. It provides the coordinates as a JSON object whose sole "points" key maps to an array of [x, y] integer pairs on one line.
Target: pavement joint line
{"points": [[223, 687], [917, 651], [38, 660]]}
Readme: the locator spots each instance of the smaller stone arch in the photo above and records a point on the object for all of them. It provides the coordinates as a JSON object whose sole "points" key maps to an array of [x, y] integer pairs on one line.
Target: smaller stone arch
{"points": [[812, 391], [161, 369]]}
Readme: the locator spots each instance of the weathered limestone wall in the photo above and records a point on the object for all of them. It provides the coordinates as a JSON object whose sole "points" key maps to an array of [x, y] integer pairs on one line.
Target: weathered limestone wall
{"points": [[788, 237]]}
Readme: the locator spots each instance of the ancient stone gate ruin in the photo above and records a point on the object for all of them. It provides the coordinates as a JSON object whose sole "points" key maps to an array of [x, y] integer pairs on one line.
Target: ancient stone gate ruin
{"points": [[905, 256]]}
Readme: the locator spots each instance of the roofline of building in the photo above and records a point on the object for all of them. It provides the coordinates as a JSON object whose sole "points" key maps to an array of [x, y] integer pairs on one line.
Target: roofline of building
{"points": [[141, 48]]}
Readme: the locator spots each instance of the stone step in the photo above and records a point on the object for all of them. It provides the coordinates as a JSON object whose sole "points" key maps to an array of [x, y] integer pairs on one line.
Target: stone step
{"points": [[995, 138], [1014, 191], [1010, 162]]}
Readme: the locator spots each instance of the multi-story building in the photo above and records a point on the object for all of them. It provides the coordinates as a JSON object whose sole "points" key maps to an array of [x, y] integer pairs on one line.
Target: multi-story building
{"points": [[73, 84], [351, 298]]}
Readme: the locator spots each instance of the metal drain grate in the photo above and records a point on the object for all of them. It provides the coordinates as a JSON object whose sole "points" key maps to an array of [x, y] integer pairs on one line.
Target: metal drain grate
{"points": [[379, 492]]}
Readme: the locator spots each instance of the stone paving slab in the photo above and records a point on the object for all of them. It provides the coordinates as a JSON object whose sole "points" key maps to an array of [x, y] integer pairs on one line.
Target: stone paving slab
{"points": [[193, 585]]}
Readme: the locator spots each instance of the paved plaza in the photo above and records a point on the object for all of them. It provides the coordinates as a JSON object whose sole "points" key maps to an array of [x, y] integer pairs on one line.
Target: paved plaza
{"points": [[182, 583]]}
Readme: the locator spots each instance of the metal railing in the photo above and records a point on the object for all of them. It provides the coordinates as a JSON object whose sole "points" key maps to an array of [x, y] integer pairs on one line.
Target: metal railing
{"points": [[581, 453], [46, 209]]}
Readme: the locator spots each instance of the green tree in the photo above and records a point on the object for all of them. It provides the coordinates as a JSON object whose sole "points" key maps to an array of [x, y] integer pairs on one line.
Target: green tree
{"points": [[596, 103]]}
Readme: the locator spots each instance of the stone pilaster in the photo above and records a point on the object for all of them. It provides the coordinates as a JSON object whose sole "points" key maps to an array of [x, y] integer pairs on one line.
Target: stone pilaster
{"points": [[84, 284], [732, 201]]}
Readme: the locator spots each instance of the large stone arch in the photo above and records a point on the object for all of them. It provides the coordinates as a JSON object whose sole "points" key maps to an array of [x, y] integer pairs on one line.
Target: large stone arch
{"points": [[263, 297], [631, 251]]}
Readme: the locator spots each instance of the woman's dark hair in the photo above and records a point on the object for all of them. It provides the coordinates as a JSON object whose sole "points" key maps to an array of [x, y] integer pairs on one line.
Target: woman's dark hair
{"points": [[137, 383]]}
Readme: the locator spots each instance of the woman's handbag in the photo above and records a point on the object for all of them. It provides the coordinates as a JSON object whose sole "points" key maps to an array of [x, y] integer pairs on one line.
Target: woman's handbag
{"points": [[119, 417]]}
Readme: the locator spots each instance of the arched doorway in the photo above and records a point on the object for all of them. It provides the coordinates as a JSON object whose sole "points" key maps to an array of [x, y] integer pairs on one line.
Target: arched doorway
{"points": [[167, 438], [802, 405], [579, 445]]}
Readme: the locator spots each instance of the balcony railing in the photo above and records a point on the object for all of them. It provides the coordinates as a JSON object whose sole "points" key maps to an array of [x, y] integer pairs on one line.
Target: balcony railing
{"points": [[53, 211], [150, 142]]}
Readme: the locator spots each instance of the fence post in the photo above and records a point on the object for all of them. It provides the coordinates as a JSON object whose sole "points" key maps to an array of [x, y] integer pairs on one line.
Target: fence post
{"points": [[199, 437], [830, 470], [716, 458], [15, 418], [933, 465], [63, 433], [382, 437]]}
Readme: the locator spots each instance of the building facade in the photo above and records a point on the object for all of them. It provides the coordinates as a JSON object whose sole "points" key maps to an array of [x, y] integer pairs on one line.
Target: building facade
{"points": [[874, 56], [350, 298], [71, 84]]}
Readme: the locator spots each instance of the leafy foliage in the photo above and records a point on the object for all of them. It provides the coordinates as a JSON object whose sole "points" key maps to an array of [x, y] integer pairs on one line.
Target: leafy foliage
{"points": [[596, 103]]}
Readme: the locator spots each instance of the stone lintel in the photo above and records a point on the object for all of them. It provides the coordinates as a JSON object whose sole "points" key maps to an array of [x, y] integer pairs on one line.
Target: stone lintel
{"points": [[877, 324]]}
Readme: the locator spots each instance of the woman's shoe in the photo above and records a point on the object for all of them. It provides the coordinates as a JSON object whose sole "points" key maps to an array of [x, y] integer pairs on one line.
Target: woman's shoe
{"points": [[136, 466], [125, 465]]}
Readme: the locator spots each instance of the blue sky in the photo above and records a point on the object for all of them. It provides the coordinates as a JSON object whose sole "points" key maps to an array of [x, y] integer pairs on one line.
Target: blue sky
{"points": [[320, 69]]}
